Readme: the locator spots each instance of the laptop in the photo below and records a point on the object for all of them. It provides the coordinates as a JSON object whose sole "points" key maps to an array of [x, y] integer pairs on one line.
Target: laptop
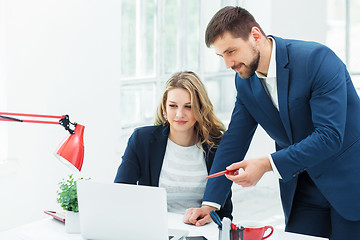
{"points": [[122, 211]]}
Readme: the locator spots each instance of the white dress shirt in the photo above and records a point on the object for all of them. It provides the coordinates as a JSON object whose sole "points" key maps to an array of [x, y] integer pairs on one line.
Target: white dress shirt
{"points": [[269, 83]]}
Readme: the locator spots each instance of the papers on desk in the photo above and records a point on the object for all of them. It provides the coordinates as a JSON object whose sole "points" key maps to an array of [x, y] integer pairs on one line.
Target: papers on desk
{"points": [[56, 215]]}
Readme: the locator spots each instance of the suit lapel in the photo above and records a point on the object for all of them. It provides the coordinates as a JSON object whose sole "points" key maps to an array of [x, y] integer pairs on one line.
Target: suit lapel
{"points": [[158, 146], [283, 87], [263, 99], [282, 77]]}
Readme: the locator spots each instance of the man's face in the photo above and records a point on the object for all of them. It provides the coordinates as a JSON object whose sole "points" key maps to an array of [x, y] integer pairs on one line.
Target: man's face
{"points": [[242, 56]]}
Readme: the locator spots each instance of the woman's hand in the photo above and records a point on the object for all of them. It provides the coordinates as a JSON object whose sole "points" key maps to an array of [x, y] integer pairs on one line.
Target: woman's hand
{"points": [[198, 216]]}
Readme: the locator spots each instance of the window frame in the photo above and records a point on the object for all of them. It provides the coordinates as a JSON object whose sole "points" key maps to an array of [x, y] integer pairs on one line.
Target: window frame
{"points": [[160, 74]]}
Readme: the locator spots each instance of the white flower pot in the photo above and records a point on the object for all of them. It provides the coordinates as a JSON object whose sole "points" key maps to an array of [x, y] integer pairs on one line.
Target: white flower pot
{"points": [[72, 222]]}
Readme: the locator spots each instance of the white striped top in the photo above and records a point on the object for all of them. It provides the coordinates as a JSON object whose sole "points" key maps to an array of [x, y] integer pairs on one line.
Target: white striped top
{"points": [[183, 176]]}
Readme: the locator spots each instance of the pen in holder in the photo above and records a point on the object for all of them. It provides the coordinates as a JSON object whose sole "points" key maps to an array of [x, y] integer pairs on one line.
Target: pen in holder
{"points": [[227, 232]]}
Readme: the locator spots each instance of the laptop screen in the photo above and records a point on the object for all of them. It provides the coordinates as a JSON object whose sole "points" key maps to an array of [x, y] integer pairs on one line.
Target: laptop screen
{"points": [[123, 211]]}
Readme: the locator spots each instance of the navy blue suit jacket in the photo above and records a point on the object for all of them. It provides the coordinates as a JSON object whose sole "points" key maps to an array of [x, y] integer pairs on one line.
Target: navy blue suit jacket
{"points": [[317, 127], [143, 158]]}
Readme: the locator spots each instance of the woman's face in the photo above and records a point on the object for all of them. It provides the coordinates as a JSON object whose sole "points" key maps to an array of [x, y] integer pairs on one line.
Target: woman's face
{"points": [[178, 111]]}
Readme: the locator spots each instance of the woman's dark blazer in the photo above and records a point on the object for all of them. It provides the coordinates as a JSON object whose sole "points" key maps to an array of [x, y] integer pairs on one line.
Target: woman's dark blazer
{"points": [[142, 161]]}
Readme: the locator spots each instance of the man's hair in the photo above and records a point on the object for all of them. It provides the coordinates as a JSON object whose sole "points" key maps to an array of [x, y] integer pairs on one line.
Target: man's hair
{"points": [[236, 20]]}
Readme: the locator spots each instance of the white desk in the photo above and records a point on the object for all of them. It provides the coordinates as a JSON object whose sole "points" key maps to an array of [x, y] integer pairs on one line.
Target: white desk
{"points": [[52, 229]]}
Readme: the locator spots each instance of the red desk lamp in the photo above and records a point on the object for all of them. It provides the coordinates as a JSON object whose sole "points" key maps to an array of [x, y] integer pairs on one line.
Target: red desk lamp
{"points": [[71, 150]]}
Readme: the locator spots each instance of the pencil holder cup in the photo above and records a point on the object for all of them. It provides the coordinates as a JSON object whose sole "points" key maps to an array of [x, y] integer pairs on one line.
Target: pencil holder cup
{"points": [[234, 234]]}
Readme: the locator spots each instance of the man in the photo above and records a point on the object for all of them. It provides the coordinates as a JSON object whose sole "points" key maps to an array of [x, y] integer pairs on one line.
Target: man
{"points": [[302, 95]]}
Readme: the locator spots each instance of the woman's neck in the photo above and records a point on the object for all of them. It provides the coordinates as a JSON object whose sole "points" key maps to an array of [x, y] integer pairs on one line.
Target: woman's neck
{"points": [[184, 139]]}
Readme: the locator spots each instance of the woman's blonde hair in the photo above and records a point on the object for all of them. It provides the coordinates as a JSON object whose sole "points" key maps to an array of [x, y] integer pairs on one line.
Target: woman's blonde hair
{"points": [[208, 128]]}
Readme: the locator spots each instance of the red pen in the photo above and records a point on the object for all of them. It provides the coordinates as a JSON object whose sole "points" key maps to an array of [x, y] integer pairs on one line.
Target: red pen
{"points": [[221, 173]]}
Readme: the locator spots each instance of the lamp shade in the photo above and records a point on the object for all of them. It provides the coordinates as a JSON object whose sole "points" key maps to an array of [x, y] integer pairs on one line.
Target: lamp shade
{"points": [[71, 150]]}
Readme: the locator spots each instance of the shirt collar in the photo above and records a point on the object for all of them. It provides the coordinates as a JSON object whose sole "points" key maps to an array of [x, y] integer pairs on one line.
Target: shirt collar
{"points": [[272, 65]]}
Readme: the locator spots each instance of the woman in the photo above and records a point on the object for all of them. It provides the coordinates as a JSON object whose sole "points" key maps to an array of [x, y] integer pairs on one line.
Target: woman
{"points": [[177, 152]]}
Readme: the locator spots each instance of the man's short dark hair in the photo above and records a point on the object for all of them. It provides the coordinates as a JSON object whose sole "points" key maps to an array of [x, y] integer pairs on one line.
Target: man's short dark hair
{"points": [[236, 20]]}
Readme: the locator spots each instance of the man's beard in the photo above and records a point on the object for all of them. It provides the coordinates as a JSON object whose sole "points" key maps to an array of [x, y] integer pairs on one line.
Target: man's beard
{"points": [[251, 67]]}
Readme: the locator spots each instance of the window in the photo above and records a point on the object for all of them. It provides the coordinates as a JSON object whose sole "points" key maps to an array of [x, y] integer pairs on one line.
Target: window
{"points": [[137, 42], [336, 33], [162, 37], [343, 34], [181, 35], [353, 36], [137, 96], [159, 39]]}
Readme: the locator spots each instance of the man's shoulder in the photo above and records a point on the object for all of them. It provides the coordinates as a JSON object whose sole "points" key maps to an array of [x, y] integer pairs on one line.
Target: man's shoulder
{"points": [[296, 45], [293, 51]]}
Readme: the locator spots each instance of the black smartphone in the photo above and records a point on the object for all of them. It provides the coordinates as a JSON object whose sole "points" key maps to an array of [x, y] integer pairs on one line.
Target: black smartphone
{"points": [[196, 238]]}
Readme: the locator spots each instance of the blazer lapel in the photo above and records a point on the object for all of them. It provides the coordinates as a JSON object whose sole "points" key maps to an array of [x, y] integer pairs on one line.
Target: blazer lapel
{"points": [[158, 146], [282, 77], [263, 99]]}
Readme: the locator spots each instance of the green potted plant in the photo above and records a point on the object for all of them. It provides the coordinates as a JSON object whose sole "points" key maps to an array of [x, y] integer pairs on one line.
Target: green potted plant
{"points": [[67, 197]]}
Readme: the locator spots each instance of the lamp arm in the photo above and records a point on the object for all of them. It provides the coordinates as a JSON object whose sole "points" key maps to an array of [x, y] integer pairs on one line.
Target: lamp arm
{"points": [[5, 118], [71, 151], [64, 120]]}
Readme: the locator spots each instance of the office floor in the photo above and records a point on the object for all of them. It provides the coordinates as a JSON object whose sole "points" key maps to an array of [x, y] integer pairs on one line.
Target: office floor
{"points": [[259, 203]]}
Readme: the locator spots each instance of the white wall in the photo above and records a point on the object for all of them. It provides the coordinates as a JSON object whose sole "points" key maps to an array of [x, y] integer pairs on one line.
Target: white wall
{"points": [[3, 128], [304, 19], [63, 57]]}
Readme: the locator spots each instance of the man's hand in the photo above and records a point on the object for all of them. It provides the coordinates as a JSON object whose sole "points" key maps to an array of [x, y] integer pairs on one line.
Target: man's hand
{"points": [[253, 170], [198, 216]]}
